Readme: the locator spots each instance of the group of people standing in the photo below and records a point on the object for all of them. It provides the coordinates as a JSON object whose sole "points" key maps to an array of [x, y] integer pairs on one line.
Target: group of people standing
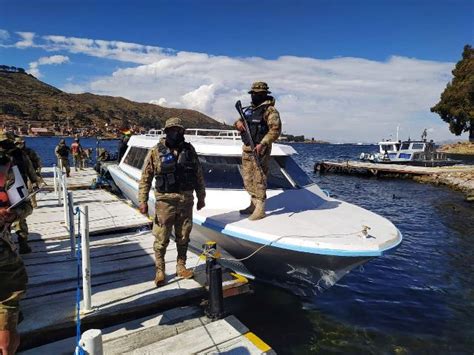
{"points": [[79, 155], [175, 166], [20, 176]]}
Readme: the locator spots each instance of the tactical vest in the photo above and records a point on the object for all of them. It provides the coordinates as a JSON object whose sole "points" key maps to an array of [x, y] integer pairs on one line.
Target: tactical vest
{"points": [[176, 173], [4, 201], [63, 151], [257, 126]]}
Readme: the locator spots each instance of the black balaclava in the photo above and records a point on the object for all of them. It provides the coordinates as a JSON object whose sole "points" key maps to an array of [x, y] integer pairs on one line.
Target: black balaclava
{"points": [[258, 97], [5, 148], [174, 138]]}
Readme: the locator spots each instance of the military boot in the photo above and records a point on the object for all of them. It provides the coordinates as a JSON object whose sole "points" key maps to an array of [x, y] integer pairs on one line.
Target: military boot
{"points": [[24, 248], [181, 270], [249, 209], [259, 211], [160, 269]]}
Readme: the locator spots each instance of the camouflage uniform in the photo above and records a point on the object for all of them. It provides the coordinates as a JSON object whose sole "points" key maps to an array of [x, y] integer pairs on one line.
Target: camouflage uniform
{"points": [[62, 153], [77, 151], [35, 161], [256, 183], [28, 174], [13, 277], [172, 209]]}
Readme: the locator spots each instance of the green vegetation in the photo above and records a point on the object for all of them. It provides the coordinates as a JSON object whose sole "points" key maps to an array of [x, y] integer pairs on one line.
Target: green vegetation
{"points": [[456, 105]]}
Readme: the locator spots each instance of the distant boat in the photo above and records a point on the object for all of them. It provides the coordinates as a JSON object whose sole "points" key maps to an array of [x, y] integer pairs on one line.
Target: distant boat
{"points": [[410, 152]]}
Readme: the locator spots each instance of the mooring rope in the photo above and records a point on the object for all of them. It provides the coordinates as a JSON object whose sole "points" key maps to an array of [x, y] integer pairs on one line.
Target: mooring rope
{"points": [[205, 253]]}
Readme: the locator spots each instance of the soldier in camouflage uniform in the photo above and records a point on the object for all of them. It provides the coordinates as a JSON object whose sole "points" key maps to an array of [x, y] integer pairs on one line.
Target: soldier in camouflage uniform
{"points": [[176, 167], [13, 277], [35, 161], [62, 153], [264, 123], [28, 173]]}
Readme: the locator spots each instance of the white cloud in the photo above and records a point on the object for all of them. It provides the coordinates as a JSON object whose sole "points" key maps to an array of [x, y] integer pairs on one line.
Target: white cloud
{"points": [[340, 99], [52, 60], [4, 35], [161, 102], [26, 39]]}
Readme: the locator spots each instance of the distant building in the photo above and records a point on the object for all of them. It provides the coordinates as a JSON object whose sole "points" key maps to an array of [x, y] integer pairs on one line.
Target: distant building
{"points": [[41, 132]]}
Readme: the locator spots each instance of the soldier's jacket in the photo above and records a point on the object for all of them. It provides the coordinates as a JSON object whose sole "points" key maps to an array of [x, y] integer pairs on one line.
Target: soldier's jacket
{"points": [[272, 118], [58, 149], [152, 166], [25, 166], [13, 276], [34, 157]]}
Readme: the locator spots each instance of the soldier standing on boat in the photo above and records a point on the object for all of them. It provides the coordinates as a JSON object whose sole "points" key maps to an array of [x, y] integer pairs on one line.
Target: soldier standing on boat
{"points": [[175, 165], [28, 174], [13, 277], [264, 124], [35, 161], [62, 153]]}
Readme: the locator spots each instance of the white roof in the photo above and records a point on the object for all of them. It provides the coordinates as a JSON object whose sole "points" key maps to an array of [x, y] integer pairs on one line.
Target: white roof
{"points": [[228, 143]]}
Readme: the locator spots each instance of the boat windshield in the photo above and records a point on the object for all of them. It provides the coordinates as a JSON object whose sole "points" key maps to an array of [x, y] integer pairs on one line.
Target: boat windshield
{"points": [[226, 172]]}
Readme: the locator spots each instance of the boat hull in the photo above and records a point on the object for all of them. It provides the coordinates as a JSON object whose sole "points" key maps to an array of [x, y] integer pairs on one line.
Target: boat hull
{"points": [[304, 274]]}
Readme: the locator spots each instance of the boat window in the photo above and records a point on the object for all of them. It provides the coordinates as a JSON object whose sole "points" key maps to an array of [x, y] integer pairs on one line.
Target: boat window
{"points": [[293, 169], [136, 157], [405, 146], [226, 172], [385, 147], [418, 146]]}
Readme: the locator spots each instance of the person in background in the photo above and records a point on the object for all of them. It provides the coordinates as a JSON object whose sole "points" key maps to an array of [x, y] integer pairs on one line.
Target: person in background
{"points": [[13, 277], [76, 151], [62, 153], [264, 124], [123, 147], [177, 171]]}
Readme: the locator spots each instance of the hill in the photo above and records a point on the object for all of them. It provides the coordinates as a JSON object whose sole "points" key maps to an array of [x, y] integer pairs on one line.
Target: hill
{"points": [[25, 100]]}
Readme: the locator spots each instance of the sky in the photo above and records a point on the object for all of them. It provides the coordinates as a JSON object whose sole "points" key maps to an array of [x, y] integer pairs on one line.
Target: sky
{"points": [[340, 70]]}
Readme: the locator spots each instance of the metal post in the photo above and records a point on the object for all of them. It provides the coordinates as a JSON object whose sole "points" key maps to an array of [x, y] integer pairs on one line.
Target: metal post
{"points": [[72, 236], [215, 308], [209, 248], [65, 204], [55, 179], [86, 261], [91, 342], [59, 187]]}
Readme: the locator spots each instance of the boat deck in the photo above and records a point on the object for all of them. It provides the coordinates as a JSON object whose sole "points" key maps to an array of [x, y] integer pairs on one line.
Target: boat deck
{"points": [[122, 269]]}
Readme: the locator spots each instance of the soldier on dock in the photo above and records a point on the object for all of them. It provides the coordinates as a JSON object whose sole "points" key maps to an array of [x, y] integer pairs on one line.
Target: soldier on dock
{"points": [[62, 153], [13, 277], [176, 167], [28, 174], [77, 151], [35, 161], [264, 124]]}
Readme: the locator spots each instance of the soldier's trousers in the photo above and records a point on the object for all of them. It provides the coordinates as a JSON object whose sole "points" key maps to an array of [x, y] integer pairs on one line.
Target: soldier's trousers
{"points": [[64, 163], [13, 280], [169, 215], [76, 159], [20, 226], [254, 181]]}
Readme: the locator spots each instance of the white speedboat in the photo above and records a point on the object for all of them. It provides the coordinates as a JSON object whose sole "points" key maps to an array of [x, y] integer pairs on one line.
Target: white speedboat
{"points": [[306, 242]]}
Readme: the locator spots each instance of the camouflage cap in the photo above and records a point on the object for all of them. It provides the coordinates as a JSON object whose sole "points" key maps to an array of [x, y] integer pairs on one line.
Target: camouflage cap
{"points": [[259, 86], [19, 139], [5, 136], [174, 122]]}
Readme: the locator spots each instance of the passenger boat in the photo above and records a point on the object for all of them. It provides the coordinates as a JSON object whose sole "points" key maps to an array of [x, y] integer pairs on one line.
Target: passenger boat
{"points": [[307, 241], [410, 152]]}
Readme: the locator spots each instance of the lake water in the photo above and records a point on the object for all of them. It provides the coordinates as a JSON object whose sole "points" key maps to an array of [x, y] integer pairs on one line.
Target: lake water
{"points": [[417, 300]]}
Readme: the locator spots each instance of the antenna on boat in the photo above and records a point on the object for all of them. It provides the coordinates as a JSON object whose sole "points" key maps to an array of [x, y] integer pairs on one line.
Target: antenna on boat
{"points": [[398, 128]]}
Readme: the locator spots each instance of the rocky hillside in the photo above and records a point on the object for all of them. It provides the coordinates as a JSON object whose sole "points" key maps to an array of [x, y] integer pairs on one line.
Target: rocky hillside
{"points": [[25, 99]]}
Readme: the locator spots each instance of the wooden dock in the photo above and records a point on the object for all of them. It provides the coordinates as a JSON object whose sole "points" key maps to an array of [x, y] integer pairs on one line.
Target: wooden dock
{"points": [[123, 292], [379, 170]]}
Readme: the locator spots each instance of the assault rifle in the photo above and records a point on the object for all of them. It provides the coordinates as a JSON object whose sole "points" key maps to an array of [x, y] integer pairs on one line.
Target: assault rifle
{"points": [[238, 107]]}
